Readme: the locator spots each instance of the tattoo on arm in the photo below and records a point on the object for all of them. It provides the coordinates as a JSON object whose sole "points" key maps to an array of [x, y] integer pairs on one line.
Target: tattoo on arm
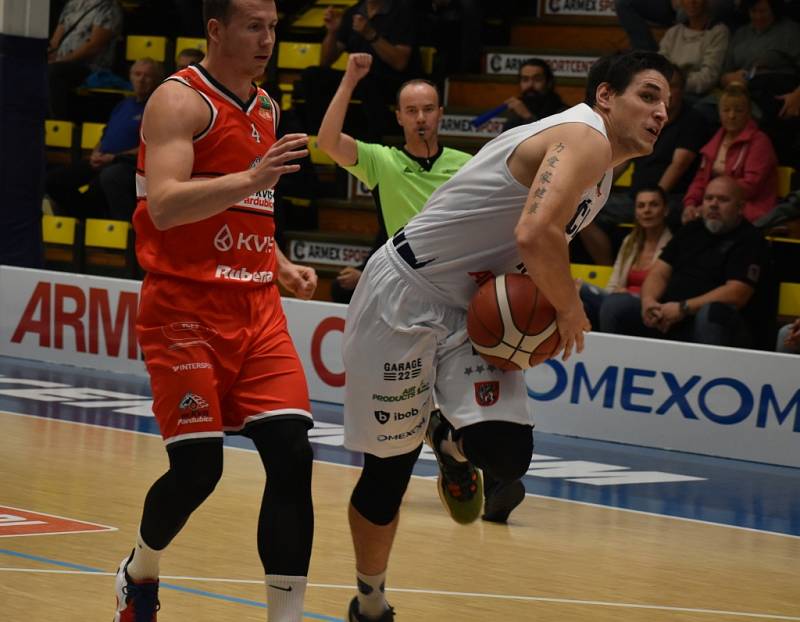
{"points": [[545, 178]]}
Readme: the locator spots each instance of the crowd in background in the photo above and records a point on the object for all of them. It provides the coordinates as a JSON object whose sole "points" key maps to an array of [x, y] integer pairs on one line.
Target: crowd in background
{"points": [[693, 265]]}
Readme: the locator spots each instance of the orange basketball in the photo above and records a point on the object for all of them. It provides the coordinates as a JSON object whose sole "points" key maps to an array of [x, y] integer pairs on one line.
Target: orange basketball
{"points": [[511, 324]]}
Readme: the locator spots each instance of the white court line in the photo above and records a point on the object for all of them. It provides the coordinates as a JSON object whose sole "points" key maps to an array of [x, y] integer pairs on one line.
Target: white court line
{"points": [[540, 599], [430, 477]]}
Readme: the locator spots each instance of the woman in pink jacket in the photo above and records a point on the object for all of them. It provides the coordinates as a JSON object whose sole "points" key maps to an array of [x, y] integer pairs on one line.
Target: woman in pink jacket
{"points": [[740, 150]]}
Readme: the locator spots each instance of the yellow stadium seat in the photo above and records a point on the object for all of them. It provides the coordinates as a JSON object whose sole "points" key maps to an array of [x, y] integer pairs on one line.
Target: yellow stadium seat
{"points": [[785, 180], [91, 133], [591, 274], [183, 43], [58, 133], [316, 154], [61, 237], [311, 18], [58, 229], [625, 180], [789, 299], [108, 248], [102, 233], [140, 46], [293, 55], [426, 56], [298, 55]]}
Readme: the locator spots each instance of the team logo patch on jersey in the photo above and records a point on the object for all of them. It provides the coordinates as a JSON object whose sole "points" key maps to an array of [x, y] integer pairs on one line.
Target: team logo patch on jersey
{"points": [[381, 416], [487, 393], [192, 401]]}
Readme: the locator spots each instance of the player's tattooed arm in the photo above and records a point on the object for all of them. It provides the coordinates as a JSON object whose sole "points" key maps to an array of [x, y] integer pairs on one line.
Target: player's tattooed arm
{"points": [[545, 177]]}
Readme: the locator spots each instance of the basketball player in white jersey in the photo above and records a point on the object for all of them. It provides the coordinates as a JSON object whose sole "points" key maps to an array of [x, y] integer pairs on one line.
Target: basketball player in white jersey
{"points": [[513, 208]]}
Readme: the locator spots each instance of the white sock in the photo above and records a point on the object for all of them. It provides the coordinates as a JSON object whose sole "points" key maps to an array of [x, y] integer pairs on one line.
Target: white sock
{"points": [[144, 564], [285, 596], [371, 597], [451, 448]]}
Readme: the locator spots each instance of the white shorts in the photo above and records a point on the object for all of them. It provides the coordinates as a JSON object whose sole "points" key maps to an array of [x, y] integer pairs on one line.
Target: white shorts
{"points": [[402, 345]]}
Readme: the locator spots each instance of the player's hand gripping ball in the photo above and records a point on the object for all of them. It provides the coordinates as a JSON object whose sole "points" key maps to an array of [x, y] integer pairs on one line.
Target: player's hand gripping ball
{"points": [[511, 324]]}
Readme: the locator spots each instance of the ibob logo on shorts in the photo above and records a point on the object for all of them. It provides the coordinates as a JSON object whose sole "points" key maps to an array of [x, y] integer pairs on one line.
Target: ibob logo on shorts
{"points": [[383, 416]]}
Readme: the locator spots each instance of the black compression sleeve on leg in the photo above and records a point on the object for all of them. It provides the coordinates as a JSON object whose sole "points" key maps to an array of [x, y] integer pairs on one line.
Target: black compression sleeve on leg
{"points": [[286, 520], [194, 470], [383, 482], [502, 448]]}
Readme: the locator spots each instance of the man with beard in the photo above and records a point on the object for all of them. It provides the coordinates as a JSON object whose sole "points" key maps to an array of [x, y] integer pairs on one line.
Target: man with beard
{"points": [[703, 280], [537, 97]]}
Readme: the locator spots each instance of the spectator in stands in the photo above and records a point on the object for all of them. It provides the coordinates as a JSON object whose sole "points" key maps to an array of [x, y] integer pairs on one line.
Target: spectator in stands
{"points": [[789, 338], [706, 275], [765, 55], [788, 209], [188, 56], [401, 180], [634, 14], [380, 28], [537, 96], [111, 167], [637, 254], [452, 27], [83, 42], [698, 47], [740, 150]]}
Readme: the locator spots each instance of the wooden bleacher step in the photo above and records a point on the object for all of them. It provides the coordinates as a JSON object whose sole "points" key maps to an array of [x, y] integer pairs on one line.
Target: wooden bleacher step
{"points": [[355, 216]]}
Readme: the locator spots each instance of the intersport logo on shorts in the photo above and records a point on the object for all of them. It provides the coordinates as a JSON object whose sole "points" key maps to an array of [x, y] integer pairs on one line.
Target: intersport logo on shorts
{"points": [[229, 273]]}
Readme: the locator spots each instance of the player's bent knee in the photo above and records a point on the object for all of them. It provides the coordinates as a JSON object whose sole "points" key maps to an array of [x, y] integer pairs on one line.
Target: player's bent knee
{"points": [[383, 482], [286, 453], [196, 468], [500, 447]]}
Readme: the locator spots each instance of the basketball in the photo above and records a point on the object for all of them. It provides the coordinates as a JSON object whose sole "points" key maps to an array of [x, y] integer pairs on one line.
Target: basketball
{"points": [[511, 324]]}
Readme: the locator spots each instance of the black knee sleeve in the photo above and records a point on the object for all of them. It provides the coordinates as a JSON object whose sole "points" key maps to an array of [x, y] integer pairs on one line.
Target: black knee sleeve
{"points": [[383, 482], [194, 470], [286, 453], [502, 448]]}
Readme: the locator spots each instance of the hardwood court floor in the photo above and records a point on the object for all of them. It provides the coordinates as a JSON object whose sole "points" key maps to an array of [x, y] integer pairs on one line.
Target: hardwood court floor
{"points": [[557, 562]]}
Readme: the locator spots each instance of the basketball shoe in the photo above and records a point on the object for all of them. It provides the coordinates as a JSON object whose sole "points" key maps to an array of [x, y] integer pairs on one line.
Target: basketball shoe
{"points": [[460, 484], [501, 498], [136, 602], [354, 615]]}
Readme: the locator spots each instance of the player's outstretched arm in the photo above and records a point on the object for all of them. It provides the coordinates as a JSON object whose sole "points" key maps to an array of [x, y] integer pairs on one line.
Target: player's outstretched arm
{"points": [[174, 115], [575, 157], [341, 147]]}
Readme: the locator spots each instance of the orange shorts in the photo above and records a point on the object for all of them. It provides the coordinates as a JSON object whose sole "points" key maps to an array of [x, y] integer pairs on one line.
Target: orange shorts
{"points": [[220, 359]]}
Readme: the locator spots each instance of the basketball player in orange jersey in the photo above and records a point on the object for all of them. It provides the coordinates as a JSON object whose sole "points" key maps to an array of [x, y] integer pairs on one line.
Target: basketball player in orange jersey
{"points": [[513, 207], [210, 321]]}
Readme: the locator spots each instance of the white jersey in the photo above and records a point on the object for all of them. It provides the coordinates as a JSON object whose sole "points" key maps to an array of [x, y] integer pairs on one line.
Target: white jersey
{"points": [[466, 229]]}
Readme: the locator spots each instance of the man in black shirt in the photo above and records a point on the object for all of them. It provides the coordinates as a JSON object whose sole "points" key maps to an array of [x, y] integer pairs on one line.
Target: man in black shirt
{"points": [[702, 281], [384, 30], [537, 96]]}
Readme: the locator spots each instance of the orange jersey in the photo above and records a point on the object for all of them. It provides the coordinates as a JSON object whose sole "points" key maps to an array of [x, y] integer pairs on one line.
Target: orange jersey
{"points": [[236, 246]]}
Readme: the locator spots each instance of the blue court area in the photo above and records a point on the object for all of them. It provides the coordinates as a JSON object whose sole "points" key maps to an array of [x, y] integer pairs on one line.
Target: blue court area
{"points": [[689, 486]]}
